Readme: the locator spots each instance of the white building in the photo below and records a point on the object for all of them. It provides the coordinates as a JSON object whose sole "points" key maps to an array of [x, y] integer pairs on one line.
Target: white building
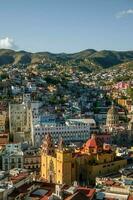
{"points": [[12, 157], [31, 87], [78, 131], [15, 90], [35, 105], [89, 121]]}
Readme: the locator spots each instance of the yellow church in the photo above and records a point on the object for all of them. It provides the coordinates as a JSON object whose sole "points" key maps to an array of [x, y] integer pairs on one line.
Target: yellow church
{"points": [[63, 165]]}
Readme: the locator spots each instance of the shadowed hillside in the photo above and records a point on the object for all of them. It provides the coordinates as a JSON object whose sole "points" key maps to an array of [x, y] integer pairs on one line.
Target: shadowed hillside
{"points": [[88, 60]]}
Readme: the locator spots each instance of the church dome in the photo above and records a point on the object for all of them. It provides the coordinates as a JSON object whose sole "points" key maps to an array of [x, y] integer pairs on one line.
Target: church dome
{"points": [[94, 142], [93, 145], [112, 117]]}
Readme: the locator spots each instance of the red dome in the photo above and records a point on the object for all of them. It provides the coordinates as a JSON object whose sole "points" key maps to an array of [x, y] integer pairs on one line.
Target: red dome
{"points": [[94, 142], [91, 143]]}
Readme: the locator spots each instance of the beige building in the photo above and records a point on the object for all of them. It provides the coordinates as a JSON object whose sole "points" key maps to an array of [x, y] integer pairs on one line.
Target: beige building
{"points": [[20, 122], [32, 159], [3, 118], [112, 117]]}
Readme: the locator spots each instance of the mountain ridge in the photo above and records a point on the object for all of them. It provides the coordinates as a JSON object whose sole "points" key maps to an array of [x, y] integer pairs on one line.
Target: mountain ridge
{"points": [[89, 58]]}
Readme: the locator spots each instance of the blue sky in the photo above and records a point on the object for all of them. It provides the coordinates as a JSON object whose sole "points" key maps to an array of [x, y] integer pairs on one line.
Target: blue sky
{"points": [[66, 25]]}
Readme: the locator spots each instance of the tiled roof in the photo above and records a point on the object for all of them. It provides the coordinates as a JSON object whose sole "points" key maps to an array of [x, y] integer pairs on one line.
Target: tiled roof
{"points": [[19, 177], [89, 192], [79, 195], [130, 197], [93, 143]]}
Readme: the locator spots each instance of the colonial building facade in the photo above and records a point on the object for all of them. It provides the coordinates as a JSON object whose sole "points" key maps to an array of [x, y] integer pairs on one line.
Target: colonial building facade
{"points": [[32, 159], [12, 157], [63, 165], [70, 132], [20, 118], [112, 117]]}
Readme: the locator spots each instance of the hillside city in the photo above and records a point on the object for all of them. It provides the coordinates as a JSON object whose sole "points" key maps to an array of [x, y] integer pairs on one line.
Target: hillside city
{"points": [[66, 125]]}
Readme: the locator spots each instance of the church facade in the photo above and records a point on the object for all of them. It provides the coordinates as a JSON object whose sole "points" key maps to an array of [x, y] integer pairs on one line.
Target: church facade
{"points": [[121, 133], [63, 165]]}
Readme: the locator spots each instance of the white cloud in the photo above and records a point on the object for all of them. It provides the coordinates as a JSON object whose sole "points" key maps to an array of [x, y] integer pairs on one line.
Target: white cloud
{"points": [[7, 43], [124, 13]]}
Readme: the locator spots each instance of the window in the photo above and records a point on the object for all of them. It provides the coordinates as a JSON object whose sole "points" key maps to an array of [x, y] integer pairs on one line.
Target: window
{"points": [[6, 160], [12, 166], [19, 166], [72, 165], [19, 160]]}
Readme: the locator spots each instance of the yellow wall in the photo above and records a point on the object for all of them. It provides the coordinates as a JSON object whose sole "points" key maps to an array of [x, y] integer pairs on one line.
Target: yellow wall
{"points": [[105, 157], [122, 102], [103, 169], [68, 169], [62, 167], [45, 166]]}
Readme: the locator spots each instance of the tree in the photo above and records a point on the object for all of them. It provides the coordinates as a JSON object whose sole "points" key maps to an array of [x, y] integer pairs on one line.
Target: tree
{"points": [[130, 92]]}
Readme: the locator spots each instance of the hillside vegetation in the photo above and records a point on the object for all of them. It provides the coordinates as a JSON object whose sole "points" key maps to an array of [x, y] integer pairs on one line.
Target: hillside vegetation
{"points": [[87, 60]]}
